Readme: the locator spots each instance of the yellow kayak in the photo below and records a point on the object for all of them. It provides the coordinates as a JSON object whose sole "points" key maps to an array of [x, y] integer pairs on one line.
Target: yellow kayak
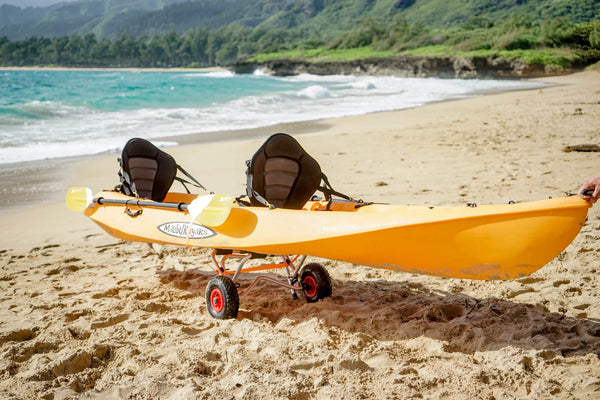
{"points": [[483, 242]]}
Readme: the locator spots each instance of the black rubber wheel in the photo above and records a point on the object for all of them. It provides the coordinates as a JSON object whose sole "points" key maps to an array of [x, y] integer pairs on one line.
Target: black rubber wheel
{"points": [[222, 298], [316, 282]]}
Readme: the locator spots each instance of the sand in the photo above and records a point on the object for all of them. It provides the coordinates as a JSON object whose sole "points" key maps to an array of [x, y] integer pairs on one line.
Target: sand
{"points": [[84, 315]]}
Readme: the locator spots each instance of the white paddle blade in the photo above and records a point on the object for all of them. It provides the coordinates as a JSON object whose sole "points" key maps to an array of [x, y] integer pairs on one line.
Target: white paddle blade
{"points": [[211, 210], [79, 198], [198, 205]]}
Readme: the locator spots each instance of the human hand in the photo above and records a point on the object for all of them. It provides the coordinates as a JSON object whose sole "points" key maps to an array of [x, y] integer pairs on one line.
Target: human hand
{"points": [[592, 184]]}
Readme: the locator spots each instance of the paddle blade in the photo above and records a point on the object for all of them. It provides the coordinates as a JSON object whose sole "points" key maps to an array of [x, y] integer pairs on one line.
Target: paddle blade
{"points": [[211, 210], [78, 198]]}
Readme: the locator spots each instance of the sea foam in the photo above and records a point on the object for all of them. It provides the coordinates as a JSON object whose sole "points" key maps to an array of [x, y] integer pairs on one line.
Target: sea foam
{"points": [[315, 92]]}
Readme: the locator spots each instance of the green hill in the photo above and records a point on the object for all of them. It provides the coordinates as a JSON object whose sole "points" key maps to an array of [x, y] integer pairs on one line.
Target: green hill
{"points": [[112, 18], [209, 32], [78, 17], [326, 18]]}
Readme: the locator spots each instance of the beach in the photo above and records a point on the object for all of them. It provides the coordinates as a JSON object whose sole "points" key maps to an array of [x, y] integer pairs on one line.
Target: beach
{"points": [[85, 315]]}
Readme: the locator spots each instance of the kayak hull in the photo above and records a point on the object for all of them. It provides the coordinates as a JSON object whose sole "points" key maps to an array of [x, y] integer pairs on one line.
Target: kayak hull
{"points": [[484, 242]]}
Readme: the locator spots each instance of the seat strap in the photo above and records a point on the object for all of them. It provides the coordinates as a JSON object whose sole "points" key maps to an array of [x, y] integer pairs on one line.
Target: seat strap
{"points": [[328, 191], [250, 192], [183, 181], [126, 182]]}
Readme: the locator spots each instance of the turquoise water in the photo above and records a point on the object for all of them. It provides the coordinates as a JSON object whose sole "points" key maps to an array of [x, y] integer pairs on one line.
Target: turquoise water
{"points": [[50, 114], [115, 91]]}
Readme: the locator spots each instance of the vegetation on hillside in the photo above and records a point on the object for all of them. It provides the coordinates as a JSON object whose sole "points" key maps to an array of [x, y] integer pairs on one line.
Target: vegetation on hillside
{"points": [[208, 32]]}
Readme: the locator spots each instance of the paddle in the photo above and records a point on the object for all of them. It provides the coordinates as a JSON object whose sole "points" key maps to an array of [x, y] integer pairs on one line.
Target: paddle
{"points": [[78, 198], [210, 210]]}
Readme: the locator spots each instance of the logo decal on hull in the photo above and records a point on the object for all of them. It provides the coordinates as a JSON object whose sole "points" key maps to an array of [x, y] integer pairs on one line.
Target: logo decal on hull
{"points": [[180, 230]]}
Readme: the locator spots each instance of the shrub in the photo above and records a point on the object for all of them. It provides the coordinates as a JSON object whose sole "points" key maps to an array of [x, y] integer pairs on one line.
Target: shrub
{"points": [[515, 40], [368, 31], [555, 32], [595, 37]]}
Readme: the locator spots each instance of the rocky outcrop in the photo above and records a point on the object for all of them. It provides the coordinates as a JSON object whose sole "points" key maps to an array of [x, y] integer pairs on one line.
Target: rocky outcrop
{"points": [[418, 67]]}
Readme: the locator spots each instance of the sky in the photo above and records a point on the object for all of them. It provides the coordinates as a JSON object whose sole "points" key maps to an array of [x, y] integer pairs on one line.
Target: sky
{"points": [[32, 3]]}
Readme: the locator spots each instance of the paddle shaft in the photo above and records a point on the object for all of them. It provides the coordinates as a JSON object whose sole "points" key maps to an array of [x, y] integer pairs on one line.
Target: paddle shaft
{"points": [[142, 203]]}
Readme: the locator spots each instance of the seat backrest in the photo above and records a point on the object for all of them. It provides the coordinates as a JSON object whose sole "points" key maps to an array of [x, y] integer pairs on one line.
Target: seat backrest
{"points": [[147, 171], [282, 173]]}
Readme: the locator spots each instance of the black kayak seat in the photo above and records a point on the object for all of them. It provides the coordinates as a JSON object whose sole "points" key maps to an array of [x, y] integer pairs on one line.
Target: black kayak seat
{"points": [[282, 174], [148, 172]]}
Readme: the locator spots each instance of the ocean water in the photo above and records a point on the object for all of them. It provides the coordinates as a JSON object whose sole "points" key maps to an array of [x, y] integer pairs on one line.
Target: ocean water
{"points": [[54, 114]]}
